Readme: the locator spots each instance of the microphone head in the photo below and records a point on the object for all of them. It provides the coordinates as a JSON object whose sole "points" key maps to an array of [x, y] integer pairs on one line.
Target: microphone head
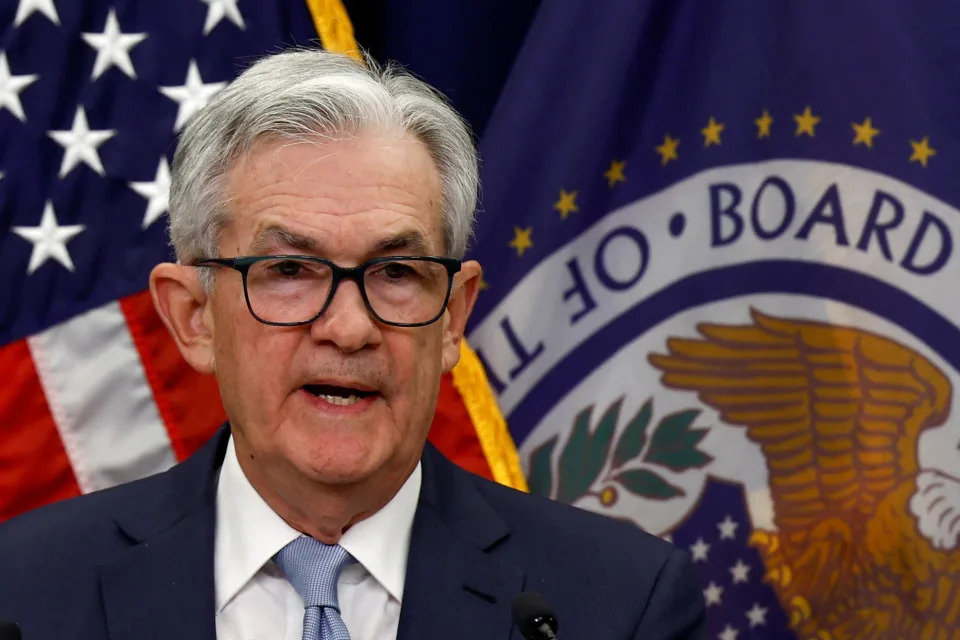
{"points": [[9, 630], [534, 617]]}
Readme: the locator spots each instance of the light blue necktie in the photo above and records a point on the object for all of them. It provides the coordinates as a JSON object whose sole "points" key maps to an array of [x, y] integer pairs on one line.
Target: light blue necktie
{"points": [[313, 569]]}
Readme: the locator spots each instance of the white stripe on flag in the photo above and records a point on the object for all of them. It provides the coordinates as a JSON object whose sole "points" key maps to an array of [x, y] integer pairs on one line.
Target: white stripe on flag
{"points": [[100, 399]]}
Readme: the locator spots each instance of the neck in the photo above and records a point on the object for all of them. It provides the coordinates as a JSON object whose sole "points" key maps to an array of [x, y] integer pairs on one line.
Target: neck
{"points": [[316, 509]]}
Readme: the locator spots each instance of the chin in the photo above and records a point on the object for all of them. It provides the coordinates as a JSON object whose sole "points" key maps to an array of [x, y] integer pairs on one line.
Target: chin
{"points": [[334, 475], [334, 464]]}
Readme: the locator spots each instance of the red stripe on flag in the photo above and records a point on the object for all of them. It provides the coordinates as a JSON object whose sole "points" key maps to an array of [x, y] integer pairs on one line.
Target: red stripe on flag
{"points": [[453, 433], [188, 401], [34, 467]]}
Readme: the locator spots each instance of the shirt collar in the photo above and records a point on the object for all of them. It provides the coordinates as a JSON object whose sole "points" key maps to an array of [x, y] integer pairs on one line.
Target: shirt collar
{"points": [[381, 542], [249, 533]]}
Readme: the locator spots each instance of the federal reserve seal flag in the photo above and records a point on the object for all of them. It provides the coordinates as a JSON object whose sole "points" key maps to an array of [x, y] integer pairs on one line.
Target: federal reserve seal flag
{"points": [[722, 296]]}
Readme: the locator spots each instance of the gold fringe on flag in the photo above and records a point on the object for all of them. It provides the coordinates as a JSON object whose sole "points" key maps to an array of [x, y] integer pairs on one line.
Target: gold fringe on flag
{"points": [[471, 381], [334, 27]]}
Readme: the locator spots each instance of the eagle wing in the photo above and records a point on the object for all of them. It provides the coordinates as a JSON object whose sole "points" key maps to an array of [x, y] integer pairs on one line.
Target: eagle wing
{"points": [[836, 410]]}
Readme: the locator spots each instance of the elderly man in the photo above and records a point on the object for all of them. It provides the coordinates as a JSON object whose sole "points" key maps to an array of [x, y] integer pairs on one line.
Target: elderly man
{"points": [[320, 210]]}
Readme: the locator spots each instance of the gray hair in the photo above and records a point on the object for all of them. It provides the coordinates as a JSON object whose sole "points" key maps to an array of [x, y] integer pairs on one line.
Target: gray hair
{"points": [[300, 96]]}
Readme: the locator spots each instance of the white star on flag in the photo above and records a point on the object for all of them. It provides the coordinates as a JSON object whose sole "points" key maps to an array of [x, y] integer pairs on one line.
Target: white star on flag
{"points": [[728, 633], [757, 615], [10, 88], [156, 193], [113, 47], [699, 550], [49, 240], [740, 572], [712, 593], [217, 10], [81, 144], [192, 95], [728, 528], [26, 8]]}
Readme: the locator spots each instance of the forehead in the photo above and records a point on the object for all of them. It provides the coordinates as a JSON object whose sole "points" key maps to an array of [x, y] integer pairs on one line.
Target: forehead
{"points": [[347, 196]]}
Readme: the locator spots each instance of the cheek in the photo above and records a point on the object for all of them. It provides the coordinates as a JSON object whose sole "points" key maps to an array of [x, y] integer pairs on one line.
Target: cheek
{"points": [[419, 370], [251, 362]]}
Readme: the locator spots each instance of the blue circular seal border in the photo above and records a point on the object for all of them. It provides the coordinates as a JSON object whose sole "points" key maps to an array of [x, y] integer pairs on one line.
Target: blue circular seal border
{"points": [[759, 277]]}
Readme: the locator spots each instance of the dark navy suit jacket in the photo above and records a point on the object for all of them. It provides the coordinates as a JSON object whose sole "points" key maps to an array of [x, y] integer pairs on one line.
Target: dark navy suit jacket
{"points": [[136, 562]]}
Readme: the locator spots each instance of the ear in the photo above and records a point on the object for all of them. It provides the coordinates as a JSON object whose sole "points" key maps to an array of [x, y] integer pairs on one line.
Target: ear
{"points": [[183, 306], [466, 286]]}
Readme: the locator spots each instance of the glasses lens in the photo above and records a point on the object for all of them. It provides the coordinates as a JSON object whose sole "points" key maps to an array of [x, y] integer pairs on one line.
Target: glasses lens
{"points": [[288, 290], [406, 291]]}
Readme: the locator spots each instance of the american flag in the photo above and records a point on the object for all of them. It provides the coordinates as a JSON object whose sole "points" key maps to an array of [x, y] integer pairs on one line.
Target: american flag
{"points": [[92, 96]]}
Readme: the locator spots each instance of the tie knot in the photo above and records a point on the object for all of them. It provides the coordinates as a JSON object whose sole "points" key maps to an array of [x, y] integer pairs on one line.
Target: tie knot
{"points": [[313, 569]]}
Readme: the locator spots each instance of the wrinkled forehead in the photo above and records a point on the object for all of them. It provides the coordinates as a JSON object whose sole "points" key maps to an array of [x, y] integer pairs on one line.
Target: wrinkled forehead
{"points": [[365, 194]]}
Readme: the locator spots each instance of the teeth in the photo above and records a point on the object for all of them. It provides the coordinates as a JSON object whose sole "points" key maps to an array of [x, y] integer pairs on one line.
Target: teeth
{"points": [[340, 400]]}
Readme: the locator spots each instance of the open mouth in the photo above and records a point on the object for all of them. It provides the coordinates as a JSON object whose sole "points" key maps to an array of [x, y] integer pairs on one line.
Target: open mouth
{"points": [[339, 396]]}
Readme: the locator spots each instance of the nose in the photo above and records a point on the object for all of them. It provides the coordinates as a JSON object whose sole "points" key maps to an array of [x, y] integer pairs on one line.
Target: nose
{"points": [[347, 322]]}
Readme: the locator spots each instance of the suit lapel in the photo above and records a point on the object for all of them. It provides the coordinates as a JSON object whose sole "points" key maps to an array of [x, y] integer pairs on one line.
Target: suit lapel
{"points": [[163, 585], [164, 588], [456, 586]]}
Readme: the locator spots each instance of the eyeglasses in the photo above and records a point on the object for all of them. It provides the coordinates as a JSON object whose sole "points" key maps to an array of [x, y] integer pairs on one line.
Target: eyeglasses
{"points": [[287, 291]]}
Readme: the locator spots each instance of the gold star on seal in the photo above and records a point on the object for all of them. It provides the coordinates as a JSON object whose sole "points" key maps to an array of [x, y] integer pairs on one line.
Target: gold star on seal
{"points": [[521, 239], [483, 285], [806, 121], [922, 151], [865, 133], [668, 150], [567, 203], [711, 132], [615, 173], [763, 124]]}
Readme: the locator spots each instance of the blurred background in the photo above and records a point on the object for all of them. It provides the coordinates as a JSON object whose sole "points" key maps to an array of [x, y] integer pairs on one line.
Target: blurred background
{"points": [[719, 271]]}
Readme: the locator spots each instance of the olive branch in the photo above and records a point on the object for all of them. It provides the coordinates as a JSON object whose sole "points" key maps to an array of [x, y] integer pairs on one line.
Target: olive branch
{"points": [[672, 444]]}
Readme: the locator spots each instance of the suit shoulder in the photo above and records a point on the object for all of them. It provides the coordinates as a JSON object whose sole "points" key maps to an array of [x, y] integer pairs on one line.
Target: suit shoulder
{"points": [[583, 561], [86, 520], [158, 499]]}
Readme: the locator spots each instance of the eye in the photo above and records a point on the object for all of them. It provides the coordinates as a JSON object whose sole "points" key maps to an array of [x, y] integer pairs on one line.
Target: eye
{"points": [[397, 270], [286, 268]]}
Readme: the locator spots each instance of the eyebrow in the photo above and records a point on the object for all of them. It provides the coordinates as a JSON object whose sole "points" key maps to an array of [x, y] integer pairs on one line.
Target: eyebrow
{"points": [[274, 236], [408, 241]]}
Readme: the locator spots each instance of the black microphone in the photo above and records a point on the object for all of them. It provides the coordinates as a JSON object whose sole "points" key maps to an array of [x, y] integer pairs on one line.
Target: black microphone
{"points": [[9, 630], [534, 617]]}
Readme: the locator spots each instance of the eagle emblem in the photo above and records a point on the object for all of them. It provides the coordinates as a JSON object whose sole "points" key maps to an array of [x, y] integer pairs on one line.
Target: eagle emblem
{"points": [[865, 544]]}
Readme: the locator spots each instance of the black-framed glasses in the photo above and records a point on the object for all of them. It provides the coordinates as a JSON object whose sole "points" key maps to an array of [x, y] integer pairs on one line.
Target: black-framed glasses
{"points": [[288, 291]]}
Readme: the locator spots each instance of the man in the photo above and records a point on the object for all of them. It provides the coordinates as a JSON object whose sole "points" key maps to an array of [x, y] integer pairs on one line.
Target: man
{"points": [[320, 210]]}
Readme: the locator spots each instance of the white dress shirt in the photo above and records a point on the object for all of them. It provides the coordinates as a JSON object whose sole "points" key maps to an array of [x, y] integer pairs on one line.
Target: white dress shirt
{"points": [[255, 601]]}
